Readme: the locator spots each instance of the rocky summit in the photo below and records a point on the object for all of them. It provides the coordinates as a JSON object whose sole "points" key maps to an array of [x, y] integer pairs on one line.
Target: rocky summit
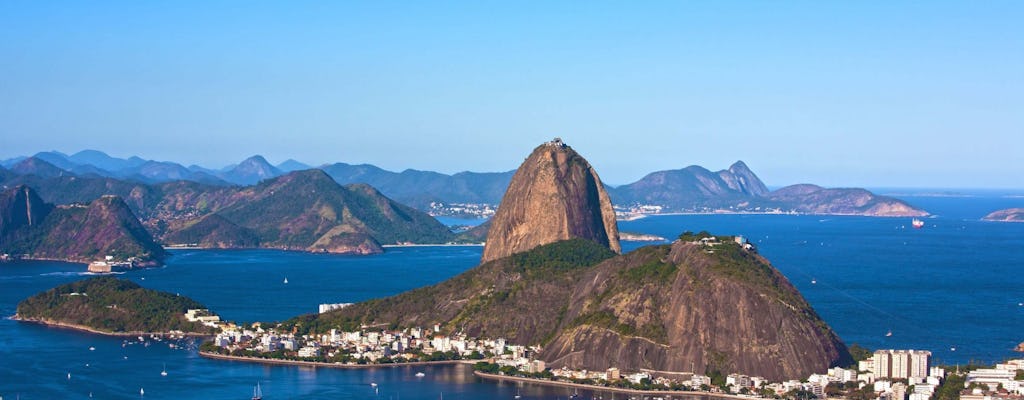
{"points": [[554, 195]]}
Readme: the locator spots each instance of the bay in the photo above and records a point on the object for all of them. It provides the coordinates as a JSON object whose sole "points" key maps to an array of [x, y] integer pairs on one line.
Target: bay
{"points": [[954, 284]]}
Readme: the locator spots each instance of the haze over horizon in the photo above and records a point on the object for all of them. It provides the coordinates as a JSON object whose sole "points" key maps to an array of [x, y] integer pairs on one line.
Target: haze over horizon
{"points": [[862, 94]]}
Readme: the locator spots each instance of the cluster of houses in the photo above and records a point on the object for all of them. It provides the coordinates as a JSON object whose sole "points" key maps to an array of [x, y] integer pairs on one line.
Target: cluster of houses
{"points": [[371, 346], [462, 210], [891, 374]]}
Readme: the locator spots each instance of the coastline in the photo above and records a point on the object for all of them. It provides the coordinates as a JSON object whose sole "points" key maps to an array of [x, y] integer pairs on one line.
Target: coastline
{"points": [[86, 329], [433, 245], [273, 361], [788, 213], [605, 388]]}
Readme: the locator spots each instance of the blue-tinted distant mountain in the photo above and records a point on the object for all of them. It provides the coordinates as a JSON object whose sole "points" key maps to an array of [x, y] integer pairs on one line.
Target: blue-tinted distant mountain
{"points": [[98, 163], [693, 186], [11, 161], [691, 189], [164, 171], [420, 188], [738, 189], [56, 158], [38, 167], [251, 171], [290, 165], [103, 161]]}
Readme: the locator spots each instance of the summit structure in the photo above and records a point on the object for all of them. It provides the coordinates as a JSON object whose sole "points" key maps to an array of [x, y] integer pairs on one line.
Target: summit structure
{"points": [[554, 195]]}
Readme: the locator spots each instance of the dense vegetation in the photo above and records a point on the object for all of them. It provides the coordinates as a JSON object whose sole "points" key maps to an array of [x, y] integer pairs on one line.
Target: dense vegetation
{"points": [[520, 297], [111, 305], [83, 233]]}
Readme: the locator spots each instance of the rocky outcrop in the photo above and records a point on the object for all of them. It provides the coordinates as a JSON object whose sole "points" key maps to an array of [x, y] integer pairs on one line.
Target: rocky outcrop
{"points": [[739, 177], [21, 207], [681, 308], [554, 195], [1007, 215]]}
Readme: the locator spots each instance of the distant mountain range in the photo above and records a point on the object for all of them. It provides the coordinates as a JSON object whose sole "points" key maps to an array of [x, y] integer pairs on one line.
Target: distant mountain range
{"points": [[691, 189]]}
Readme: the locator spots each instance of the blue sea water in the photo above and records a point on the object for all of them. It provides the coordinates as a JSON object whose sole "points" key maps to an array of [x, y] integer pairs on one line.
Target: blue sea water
{"points": [[956, 283]]}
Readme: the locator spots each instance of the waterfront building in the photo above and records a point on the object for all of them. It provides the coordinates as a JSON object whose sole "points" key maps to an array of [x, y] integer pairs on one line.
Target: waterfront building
{"points": [[901, 364]]}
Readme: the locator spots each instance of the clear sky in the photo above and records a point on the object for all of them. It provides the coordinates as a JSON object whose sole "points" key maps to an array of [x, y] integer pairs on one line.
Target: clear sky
{"points": [[860, 93]]}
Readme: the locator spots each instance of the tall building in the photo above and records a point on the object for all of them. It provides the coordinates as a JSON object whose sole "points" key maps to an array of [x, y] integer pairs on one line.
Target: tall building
{"points": [[901, 364], [883, 364], [920, 363]]}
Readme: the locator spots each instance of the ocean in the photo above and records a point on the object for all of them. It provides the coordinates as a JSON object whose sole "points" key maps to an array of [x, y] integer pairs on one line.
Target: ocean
{"points": [[953, 287]]}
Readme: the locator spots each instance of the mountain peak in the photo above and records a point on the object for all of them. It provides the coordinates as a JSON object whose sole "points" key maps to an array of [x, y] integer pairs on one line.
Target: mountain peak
{"points": [[554, 195], [39, 167], [251, 170], [737, 166], [290, 165]]}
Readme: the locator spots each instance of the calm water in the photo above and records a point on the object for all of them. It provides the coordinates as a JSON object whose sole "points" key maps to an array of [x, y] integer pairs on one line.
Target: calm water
{"points": [[956, 283]]}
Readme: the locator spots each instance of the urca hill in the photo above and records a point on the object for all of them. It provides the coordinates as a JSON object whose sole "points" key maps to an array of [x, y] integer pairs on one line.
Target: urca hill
{"points": [[700, 304]]}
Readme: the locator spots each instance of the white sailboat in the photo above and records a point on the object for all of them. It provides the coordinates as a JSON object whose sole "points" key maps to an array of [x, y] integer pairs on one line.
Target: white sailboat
{"points": [[285, 281], [257, 393], [164, 371]]}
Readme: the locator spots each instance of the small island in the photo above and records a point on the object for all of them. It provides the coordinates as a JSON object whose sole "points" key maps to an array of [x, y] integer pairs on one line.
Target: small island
{"points": [[112, 306], [1007, 215]]}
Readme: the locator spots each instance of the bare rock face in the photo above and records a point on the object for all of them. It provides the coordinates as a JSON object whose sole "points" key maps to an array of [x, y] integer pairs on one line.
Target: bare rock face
{"points": [[20, 207], [554, 195]]}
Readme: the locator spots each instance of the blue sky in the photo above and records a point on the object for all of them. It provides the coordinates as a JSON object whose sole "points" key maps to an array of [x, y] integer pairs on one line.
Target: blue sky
{"points": [[872, 93]]}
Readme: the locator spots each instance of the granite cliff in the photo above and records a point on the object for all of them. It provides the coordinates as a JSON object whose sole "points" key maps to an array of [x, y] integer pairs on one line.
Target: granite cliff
{"points": [[554, 195], [687, 306]]}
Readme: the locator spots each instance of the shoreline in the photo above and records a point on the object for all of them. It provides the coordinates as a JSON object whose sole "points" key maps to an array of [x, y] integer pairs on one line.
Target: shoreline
{"points": [[433, 245], [86, 329], [789, 213], [661, 393], [275, 361]]}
